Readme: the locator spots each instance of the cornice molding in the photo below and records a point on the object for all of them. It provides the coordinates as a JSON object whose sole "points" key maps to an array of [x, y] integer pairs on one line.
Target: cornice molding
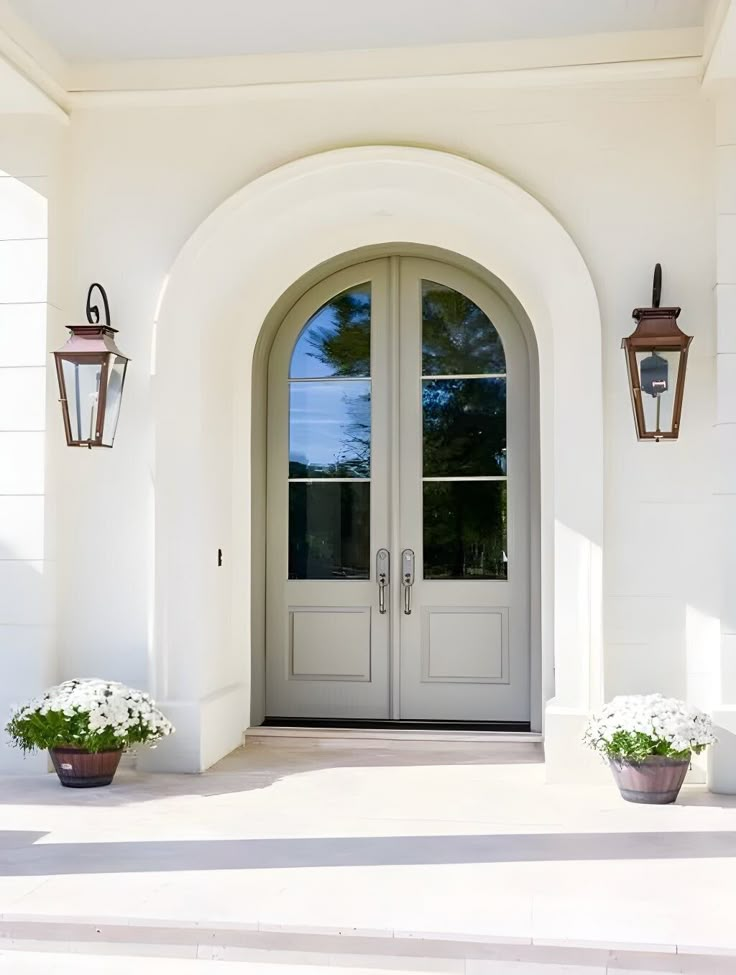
{"points": [[581, 75], [387, 63], [720, 53], [590, 59], [34, 60]]}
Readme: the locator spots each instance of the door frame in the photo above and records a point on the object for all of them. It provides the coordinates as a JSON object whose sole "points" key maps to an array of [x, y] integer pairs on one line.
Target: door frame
{"points": [[259, 452]]}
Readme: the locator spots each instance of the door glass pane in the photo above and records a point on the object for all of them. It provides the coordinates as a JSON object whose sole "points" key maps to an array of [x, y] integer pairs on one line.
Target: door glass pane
{"points": [[464, 427], [465, 530], [330, 429], [329, 530], [457, 337], [330, 438], [464, 436], [336, 341]]}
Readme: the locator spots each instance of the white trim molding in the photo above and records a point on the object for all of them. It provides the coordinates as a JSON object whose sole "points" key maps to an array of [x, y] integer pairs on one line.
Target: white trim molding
{"points": [[35, 62], [544, 77], [440, 62]]}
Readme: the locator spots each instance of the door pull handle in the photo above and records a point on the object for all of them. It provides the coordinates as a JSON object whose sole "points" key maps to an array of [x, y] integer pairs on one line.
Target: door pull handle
{"points": [[383, 575], [407, 577]]}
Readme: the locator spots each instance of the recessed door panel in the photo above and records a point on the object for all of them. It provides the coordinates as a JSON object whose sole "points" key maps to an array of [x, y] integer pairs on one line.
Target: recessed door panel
{"points": [[331, 644], [482, 654]]}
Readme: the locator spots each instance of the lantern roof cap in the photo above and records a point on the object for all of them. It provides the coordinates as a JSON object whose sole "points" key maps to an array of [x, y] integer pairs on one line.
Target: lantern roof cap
{"points": [[657, 327], [91, 340], [656, 312]]}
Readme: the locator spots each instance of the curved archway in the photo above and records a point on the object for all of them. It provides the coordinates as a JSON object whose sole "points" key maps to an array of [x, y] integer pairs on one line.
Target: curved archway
{"points": [[222, 287]]}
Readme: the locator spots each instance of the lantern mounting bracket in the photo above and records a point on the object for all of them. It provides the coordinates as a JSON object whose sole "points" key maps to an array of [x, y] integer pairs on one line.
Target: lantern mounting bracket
{"points": [[93, 311], [656, 286]]}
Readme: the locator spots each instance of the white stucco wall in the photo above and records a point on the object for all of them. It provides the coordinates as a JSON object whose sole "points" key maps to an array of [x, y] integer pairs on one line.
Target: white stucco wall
{"points": [[626, 168]]}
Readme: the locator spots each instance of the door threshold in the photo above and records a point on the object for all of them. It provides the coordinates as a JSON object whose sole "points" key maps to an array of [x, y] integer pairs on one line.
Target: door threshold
{"points": [[389, 724], [475, 731]]}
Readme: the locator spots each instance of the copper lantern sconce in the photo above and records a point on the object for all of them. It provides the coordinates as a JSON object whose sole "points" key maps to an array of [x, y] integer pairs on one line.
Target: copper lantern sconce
{"points": [[656, 359], [91, 373]]}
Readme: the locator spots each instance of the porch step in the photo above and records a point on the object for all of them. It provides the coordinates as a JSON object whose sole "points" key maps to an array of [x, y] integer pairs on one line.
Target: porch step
{"points": [[392, 734], [39, 946]]}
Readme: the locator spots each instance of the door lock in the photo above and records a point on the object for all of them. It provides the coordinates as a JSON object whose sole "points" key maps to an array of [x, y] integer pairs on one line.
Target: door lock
{"points": [[407, 577], [383, 575]]}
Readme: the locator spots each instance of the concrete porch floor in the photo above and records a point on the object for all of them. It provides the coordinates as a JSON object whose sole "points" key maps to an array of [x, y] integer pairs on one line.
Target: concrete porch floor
{"points": [[453, 851]]}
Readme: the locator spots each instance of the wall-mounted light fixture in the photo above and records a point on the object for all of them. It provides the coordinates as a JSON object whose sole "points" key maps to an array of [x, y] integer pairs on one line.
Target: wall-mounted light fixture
{"points": [[91, 372], [656, 358]]}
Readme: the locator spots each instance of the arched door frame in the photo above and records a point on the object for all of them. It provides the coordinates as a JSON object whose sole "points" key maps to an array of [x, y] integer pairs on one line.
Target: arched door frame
{"points": [[232, 273], [274, 326]]}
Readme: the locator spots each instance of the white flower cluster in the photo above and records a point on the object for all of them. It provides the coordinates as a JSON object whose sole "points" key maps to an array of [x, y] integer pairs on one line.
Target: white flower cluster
{"points": [[108, 705], [662, 719]]}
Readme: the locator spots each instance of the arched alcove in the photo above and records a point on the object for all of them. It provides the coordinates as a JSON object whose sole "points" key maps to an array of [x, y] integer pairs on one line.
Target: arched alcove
{"points": [[231, 274]]}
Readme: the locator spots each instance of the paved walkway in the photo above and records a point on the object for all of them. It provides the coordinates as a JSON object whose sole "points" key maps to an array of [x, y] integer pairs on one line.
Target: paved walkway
{"points": [[445, 843]]}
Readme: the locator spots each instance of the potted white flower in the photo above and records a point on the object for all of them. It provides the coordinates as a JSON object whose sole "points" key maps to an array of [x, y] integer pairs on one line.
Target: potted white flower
{"points": [[648, 741], [86, 725]]}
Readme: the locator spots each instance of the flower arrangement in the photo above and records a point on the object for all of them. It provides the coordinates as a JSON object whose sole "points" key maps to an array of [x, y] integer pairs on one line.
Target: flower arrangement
{"points": [[95, 715], [633, 728]]}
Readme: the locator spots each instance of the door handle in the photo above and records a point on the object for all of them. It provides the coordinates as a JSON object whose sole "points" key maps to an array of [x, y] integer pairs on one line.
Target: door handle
{"points": [[407, 577], [383, 575]]}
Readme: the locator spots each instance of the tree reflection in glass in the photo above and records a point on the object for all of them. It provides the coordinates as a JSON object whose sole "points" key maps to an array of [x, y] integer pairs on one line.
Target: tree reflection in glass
{"points": [[330, 438], [336, 340], [464, 429], [457, 336], [465, 530]]}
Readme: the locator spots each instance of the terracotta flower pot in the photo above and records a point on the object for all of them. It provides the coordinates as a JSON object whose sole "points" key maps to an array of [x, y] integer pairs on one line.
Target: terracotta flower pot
{"points": [[79, 769], [655, 779]]}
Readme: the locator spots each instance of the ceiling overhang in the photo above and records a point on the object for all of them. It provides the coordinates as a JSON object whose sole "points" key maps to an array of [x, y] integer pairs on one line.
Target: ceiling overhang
{"points": [[61, 86]]}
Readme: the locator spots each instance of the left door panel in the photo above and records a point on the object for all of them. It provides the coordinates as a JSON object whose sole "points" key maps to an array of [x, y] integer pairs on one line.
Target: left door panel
{"points": [[328, 436]]}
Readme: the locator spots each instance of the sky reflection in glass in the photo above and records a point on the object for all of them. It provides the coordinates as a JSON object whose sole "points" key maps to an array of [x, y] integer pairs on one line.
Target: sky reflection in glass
{"points": [[336, 341], [329, 429]]}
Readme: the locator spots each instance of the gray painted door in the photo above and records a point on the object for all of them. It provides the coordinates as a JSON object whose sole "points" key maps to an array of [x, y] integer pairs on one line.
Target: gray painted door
{"points": [[398, 453]]}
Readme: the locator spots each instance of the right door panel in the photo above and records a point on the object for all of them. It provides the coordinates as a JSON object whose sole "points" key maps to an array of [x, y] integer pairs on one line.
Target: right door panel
{"points": [[464, 500]]}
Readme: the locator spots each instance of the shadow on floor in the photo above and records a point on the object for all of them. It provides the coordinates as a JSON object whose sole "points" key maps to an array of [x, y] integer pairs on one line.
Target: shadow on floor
{"points": [[49, 859], [258, 766]]}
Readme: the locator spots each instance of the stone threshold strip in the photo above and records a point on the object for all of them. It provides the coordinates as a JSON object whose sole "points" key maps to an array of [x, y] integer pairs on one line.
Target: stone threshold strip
{"points": [[331, 947]]}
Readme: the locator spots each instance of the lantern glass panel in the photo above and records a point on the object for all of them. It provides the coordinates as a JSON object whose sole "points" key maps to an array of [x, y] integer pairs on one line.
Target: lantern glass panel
{"points": [[115, 380], [82, 385], [658, 374]]}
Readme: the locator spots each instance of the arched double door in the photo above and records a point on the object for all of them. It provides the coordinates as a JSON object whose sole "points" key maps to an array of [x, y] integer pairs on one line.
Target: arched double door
{"points": [[398, 530]]}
